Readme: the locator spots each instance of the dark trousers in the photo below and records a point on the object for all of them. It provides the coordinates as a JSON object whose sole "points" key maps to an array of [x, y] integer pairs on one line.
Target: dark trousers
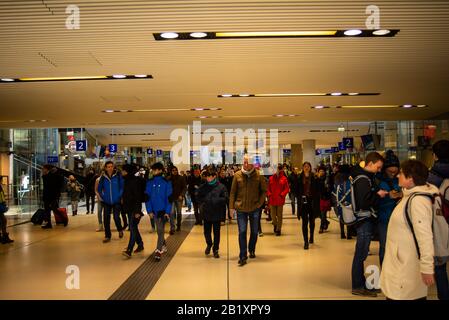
{"points": [[196, 210], [242, 220], [208, 227], [365, 230], [308, 220], [176, 214], [115, 210], [260, 220], [442, 282], [49, 206], [382, 231], [124, 215], [293, 200], [90, 199], [135, 236]]}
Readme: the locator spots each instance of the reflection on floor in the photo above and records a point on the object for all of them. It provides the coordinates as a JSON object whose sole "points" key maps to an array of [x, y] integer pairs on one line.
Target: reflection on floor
{"points": [[34, 267]]}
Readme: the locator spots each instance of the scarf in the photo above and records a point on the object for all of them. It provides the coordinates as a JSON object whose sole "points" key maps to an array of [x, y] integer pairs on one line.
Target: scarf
{"points": [[248, 173], [213, 182]]}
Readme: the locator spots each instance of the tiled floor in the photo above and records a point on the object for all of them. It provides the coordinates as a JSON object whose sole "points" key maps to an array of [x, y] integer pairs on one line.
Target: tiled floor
{"points": [[34, 267]]}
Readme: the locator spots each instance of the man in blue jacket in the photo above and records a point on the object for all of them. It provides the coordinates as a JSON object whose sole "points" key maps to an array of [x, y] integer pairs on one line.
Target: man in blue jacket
{"points": [[110, 189], [158, 206]]}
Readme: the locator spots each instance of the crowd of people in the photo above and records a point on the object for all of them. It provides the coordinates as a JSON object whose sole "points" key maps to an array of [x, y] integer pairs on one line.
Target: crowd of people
{"points": [[393, 202]]}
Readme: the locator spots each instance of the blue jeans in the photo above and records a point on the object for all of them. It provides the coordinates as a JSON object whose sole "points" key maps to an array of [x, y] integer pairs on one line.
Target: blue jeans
{"points": [[188, 201], [115, 209], [442, 282], [382, 230], [134, 234], [365, 230], [242, 221], [176, 214]]}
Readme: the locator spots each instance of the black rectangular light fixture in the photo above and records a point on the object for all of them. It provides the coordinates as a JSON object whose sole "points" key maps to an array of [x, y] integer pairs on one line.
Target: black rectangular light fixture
{"points": [[282, 95], [275, 34], [77, 78]]}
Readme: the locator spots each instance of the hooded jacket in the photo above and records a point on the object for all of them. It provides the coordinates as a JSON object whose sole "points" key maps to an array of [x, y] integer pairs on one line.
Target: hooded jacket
{"points": [[366, 197], [248, 191], [133, 193], [110, 189], [277, 189], [401, 269], [179, 186], [386, 204], [158, 190], [212, 200]]}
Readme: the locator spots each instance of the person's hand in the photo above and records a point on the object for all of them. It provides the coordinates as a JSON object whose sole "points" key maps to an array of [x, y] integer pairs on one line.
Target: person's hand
{"points": [[167, 216], [137, 215], [382, 193], [428, 279], [151, 215], [395, 194]]}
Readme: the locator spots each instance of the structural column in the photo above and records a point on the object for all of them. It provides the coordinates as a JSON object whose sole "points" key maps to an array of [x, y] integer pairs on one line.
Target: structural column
{"points": [[308, 150], [296, 155]]}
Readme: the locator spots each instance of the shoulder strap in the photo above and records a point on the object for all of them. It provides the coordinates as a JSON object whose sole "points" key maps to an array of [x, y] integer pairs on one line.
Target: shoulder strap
{"points": [[409, 220]]}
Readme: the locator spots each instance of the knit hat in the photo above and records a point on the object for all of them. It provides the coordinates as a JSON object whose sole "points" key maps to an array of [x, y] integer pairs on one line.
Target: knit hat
{"points": [[391, 160]]}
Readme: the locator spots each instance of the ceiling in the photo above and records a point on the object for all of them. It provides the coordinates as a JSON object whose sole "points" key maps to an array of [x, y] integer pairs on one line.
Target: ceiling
{"points": [[115, 37]]}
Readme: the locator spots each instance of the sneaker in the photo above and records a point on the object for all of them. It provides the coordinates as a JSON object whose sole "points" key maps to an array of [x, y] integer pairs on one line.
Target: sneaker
{"points": [[242, 262], [377, 291], [47, 226], [207, 251], [216, 255], [260, 234], [311, 241], [306, 246], [157, 255], [106, 240], [120, 234], [139, 249], [127, 253], [364, 292], [164, 249], [252, 255], [278, 234]]}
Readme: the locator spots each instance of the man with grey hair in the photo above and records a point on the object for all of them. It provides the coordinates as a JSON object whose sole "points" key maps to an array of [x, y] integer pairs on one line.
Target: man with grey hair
{"points": [[247, 195]]}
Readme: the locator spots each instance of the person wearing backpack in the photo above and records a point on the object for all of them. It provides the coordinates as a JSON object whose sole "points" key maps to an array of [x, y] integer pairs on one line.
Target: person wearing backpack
{"points": [[341, 195], [408, 267], [110, 190], [439, 176], [74, 190], [390, 183], [366, 198]]}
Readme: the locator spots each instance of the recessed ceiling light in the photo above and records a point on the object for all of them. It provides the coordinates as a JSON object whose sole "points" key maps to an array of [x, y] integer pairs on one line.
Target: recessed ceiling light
{"points": [[336, 94], [275, 34], [141, 75], [7, 79], [75, 78], [244, 95], [407, 106], [353, 94], [226, 95], [381, 32], [108, 111], [169, 35], [353, 32], [341, 129], [64, 78], [119, 76], [320, 107], [198, 34], [422, 106]]}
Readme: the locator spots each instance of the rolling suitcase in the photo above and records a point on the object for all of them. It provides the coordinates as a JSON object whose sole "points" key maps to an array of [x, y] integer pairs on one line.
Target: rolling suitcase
{"points": [[38, 217], [61, 216]]}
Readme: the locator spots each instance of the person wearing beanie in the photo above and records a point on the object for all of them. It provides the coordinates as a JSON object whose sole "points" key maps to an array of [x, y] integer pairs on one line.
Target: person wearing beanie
{"points": [[388, 182]]}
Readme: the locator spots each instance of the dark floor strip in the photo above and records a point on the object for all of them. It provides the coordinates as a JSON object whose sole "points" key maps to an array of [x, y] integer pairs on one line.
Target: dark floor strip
{"points": [[139, 285]]}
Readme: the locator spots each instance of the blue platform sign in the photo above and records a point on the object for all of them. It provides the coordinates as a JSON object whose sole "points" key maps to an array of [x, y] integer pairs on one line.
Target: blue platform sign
{"points": [[81, 145], [150, 151], [349, 143], [159, 153], [317, 152], [52, 159], [335, 150], [341, 146], [113, 148]]}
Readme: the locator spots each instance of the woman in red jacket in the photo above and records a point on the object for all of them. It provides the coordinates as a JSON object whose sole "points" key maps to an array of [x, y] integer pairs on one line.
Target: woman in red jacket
{"points": [[277, 191]]}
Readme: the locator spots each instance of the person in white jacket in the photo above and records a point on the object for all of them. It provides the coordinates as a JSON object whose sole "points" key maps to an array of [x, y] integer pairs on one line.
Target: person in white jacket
{"points": [[407, 274]]}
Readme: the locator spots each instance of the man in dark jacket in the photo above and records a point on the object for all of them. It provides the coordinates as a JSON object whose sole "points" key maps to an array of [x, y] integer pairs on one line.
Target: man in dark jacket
{"points": [[212, 197], [133, 197], [366, 200], [293, 183], [110, 189], [438, 173], [179, 186], [194, 182], [89, 188], [53, 184], [227, 182]]}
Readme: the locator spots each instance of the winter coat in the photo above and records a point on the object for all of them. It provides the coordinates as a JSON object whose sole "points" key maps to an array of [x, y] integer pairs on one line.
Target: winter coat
{"points": [[158, 190], [133, 193], [315, 194], [247, 192], [386, 204], [324, 188], [401, 269], [74, 190], [438, 173], [212, 200], [111, 188], [53, 184], [277, 189], [366, 197], [293, 183], [193, 184], [89, 186], [179, 187]]}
